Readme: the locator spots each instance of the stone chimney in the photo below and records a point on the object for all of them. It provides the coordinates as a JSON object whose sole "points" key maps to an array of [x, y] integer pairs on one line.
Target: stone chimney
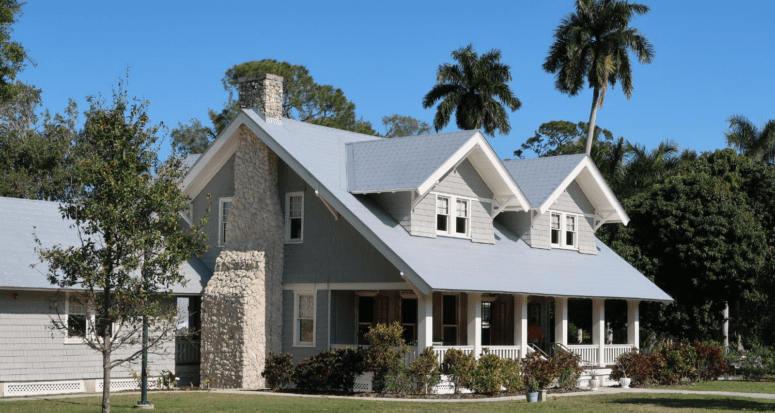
{"points": [[263, 92]]}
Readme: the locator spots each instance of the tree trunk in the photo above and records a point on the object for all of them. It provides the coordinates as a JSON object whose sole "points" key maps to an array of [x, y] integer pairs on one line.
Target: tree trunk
{"points": [[106, 378], [592, 119]]}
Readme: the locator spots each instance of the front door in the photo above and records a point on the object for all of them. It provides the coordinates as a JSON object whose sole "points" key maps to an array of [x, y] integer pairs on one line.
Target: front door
{"points": [[498, 326]]}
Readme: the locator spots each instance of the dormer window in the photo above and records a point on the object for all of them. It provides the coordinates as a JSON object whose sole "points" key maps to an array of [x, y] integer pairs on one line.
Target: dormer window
{"points": [[564, 230], [442, 214], [448, 207]]}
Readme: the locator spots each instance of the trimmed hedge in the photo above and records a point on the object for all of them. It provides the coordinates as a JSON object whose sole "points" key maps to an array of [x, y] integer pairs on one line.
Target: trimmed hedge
{"points": [[672, 363]]}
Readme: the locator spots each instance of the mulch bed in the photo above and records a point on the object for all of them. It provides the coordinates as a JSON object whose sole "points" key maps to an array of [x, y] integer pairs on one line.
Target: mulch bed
{"points": [[423, 396]]}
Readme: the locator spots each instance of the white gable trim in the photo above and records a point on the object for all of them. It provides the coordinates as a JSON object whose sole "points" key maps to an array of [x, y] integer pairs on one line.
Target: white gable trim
{"points": [[618, 215], [212, 160], [476, 143]]}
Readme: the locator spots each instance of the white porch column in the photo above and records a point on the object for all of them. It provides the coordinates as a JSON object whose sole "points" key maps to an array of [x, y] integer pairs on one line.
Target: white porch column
{"points": [[598, 329], [424, 321], [475, 323], [561, 320], [520, 323], [633, 323]]}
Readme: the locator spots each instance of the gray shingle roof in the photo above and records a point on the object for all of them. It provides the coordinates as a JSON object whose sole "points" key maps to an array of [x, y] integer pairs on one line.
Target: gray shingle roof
{"points": [[20, 218], [510, 265], [539, 177], [400, 164]]}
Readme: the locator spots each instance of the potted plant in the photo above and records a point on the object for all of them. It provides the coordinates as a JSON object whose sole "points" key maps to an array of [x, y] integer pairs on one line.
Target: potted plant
{"points": [[531, 386], [594, 383], [624, 381]]}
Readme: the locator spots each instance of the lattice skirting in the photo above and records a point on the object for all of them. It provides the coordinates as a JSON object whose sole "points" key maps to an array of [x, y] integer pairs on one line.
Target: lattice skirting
{"points": [[125, 384], [445, 386], [41, 388]]}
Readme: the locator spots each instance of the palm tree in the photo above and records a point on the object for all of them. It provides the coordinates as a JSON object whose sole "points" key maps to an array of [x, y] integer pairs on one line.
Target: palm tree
{"points": [[592, 44], [755, 143], [475, 89]]}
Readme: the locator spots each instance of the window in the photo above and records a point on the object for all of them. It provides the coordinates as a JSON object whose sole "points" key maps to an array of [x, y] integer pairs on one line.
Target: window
{"points": [[447, 207], [77, 320], [461, 221], [223, 216], [442, 214], [305, 320], [564, 230], [294, 217], [486, 322], [449, 320], [409, 319], [365, 318]]}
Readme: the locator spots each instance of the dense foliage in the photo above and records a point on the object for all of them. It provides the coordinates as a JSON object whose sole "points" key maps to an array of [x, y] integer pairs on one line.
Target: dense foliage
{"points": [[278, 370], [538, 371], [425, 370], [459, 367], [329, 371], [672, 363]]}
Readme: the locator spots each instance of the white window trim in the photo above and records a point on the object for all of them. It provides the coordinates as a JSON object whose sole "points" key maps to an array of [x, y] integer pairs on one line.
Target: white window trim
{"points": [[562, 244], [91, 321], [288, 239], [220, 219], [296, 294], [452, 217]]}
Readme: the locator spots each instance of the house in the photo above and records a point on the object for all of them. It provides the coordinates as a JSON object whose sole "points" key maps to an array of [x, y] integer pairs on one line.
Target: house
{"points": [[317, 234], [322, 233], [35, 357]]}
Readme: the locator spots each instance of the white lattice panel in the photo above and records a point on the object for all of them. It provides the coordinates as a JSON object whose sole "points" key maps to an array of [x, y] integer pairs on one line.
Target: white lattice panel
{"points": [[363, 383], [125, 384], [41, 388]]}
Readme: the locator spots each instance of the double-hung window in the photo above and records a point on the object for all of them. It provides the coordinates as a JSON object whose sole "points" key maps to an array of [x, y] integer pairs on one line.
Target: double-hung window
{"points": [[223, 217], [78, 320], [294, 217], [304, 326], [449, 207], [564, 228]]}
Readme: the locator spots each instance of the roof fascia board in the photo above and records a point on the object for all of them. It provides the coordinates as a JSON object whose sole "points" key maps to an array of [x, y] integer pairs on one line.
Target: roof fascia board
{"points": [[359, 226], [446, 166], [587, 163], [503, 172], [203, 169]]}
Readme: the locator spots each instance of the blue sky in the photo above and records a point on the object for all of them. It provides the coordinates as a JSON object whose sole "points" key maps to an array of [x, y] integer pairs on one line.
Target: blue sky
{"points": [[713, 58]]}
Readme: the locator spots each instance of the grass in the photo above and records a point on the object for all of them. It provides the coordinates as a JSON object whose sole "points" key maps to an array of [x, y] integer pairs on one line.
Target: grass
{"points": [[215, 402], [733, 386]]}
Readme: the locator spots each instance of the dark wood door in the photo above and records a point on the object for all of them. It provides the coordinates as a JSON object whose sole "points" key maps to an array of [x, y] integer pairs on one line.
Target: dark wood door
{"points": [[498, 326], [382, 310]]}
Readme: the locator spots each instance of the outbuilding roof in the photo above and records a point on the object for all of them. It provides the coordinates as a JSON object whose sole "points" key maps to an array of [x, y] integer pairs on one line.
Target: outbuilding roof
{"points": [[319, 155], [22, 220]]}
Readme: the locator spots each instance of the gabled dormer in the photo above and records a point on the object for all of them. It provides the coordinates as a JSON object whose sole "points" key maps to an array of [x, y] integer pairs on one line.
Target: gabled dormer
{"points": [[450, 184], [569, 201]]}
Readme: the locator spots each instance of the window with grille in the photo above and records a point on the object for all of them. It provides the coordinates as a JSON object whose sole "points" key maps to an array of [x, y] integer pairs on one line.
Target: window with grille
{"points": [[225, 207], [564, 229], [461, 218], [294, 217], [305, 319], [442, 214], [77, 319]]}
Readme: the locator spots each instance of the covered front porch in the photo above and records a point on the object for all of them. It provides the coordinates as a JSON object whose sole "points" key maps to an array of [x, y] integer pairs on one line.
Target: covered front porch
{"points": [[500, 323]]}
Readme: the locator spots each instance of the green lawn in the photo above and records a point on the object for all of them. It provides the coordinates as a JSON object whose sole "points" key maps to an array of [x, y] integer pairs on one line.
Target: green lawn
{"points": [[212, 402], [735, 386]]}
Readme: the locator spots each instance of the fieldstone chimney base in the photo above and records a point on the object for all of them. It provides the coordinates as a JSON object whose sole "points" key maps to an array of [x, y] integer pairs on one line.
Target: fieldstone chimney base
{"points": [[264, 92], [242, 303]]}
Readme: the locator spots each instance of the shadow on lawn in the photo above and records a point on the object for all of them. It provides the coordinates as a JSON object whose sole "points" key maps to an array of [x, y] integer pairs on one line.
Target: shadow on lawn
{"points": [[715, 403]]}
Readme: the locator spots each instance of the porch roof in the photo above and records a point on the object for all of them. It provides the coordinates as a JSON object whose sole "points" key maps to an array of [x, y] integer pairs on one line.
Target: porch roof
{"points": [[20, 267], [318, 155]]}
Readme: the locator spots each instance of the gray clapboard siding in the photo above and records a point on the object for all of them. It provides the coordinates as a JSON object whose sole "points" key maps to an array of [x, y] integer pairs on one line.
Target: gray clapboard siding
{"points": [[398, 205], [464, 181], [31, 351], [574, 201], [221, 186], [332, 250], [424, 217]]}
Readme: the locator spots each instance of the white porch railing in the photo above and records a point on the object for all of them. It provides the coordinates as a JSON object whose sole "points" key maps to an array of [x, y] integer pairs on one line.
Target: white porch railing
{"points": [[612, 351], [587, 352]]}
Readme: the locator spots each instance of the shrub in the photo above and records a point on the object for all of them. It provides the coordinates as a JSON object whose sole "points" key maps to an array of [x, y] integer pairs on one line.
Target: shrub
{"points": [[330, 370], [384, 355], [568, 369], [425, 370], [710, 361], [512, 379], [680, 359], [488, 375], [459, 367], [756, 362], [396, 382], [278, 370], [639, 367], [538, 370]]}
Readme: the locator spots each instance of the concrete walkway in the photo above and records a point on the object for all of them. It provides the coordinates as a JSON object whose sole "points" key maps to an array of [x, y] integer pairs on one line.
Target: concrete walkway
{"points": [[601, 392]]}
